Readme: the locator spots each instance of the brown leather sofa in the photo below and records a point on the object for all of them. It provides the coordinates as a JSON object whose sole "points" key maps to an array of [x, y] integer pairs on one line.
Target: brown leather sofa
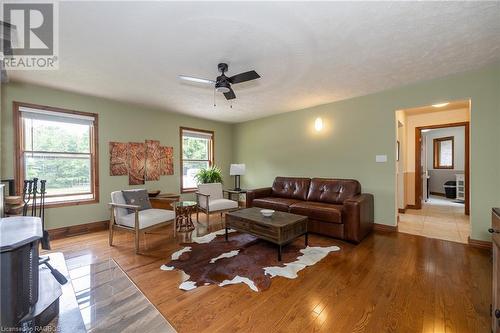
{"points": [[335, 207]]}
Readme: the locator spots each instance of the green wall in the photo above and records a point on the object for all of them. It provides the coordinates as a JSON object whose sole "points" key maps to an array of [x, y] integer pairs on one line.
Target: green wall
{"points": [[357, 129], [117, 122]]}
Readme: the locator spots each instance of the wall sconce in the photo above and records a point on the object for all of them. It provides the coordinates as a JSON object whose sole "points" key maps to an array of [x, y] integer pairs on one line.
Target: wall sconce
{"points": [[440, 105], [318, 124]]}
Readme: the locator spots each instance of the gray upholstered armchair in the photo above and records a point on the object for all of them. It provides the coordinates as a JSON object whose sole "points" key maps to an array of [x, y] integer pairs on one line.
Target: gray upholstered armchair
{"points": [[139, 222], [210, 199]]}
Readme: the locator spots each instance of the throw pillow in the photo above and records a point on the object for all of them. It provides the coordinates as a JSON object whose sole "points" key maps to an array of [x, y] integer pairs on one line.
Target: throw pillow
{"points": [[138, 198]]}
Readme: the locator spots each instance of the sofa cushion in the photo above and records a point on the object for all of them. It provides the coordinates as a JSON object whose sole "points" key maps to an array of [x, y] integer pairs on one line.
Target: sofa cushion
{"points": [[147, 218], [333, 191], [280, 204], [318, 211], [291, 187]]}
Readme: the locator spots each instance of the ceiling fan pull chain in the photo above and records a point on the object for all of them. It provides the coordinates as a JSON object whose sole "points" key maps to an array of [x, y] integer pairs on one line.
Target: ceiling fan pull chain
{"points": [[214, 97]]}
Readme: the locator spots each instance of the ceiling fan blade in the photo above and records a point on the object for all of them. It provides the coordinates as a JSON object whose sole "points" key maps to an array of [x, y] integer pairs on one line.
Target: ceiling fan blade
{"points": [[230, 94], [242, 77], [195, 79]]}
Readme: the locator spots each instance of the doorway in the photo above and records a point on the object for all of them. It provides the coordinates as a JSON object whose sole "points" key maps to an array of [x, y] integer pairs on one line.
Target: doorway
{"points": [[422, 178], [433, 180]]}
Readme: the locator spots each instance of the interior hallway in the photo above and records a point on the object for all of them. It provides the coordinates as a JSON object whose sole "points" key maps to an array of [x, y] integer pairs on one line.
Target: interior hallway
{"points": [[439, 218]]}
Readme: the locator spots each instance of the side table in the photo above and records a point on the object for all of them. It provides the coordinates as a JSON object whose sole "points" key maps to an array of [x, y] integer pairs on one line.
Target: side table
{"points": [[183, 211]]}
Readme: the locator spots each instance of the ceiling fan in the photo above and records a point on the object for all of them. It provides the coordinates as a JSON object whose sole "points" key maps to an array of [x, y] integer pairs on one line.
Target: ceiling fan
{"points": [[222, 82]]}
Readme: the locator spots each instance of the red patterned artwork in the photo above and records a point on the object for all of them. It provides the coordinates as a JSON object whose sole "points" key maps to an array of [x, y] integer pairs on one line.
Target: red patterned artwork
{"points": [[118, 160], [153, 157], [167, 161], [136, 163]]}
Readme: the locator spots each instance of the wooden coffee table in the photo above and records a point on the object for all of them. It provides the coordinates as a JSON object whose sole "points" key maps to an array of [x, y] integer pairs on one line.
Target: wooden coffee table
{"points": [[281, 228]]}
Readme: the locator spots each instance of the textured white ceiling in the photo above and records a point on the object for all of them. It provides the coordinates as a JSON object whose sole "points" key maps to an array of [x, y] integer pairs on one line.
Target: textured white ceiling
{"points": [[306, 53]]}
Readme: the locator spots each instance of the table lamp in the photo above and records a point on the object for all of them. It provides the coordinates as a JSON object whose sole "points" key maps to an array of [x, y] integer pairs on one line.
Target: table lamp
{"points": [[237, 170]]}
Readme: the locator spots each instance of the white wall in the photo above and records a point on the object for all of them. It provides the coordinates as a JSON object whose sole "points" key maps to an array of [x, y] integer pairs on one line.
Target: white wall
{"points": [[439, 176]]}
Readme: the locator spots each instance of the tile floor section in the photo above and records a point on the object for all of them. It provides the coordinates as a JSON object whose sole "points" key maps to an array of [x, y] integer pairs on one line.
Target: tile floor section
{"points": [[110, 302], [439, 218]]}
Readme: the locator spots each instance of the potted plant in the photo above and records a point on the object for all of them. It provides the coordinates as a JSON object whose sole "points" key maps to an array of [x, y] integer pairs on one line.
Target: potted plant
{"points": [[211, 174]]}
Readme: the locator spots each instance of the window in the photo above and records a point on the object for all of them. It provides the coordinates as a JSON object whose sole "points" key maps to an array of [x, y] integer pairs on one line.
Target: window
{"points": [[443, 153], [59, 146], [197, 149]]}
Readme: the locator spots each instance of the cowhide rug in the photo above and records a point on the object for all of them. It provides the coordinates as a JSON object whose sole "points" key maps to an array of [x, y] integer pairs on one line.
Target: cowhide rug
{"points": [[242, 259]]}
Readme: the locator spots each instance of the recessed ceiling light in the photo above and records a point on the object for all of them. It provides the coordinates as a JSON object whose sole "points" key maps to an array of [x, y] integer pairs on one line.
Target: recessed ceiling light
{"points": [[440, 105]]}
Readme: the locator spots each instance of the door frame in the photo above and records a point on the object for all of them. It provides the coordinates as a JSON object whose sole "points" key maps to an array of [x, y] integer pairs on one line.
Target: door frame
{"points": [[418, 170]]}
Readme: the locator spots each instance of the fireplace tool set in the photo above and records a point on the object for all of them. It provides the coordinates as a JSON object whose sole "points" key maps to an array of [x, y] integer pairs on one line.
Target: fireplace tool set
{"points": [[31, 193]]}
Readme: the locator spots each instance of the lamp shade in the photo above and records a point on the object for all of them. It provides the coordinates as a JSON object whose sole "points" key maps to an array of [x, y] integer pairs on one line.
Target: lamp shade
{"points": [[237, 170]]}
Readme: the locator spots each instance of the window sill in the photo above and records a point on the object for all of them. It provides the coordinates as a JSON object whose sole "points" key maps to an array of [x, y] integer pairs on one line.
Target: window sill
{"points": [[189, 190], [71, 203]]}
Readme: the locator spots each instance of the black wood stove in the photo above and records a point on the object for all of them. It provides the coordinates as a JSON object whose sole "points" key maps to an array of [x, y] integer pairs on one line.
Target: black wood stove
{"points": [[29, 300]]}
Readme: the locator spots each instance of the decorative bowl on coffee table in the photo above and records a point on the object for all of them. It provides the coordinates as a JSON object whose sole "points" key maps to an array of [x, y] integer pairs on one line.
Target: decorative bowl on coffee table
{"points": [[267, 212]]}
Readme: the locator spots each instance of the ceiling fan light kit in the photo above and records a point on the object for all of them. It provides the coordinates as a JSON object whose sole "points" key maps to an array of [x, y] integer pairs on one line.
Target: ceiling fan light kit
{"points": [[223, 83], [222, 87]]}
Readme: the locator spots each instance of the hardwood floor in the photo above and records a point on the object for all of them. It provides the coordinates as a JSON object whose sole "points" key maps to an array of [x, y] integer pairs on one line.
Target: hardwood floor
{"points": [[391, 282]]}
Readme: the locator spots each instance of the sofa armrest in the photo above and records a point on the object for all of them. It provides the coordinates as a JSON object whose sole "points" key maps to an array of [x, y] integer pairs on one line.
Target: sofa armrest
{"points": [[257, 193], [358, 217]]}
